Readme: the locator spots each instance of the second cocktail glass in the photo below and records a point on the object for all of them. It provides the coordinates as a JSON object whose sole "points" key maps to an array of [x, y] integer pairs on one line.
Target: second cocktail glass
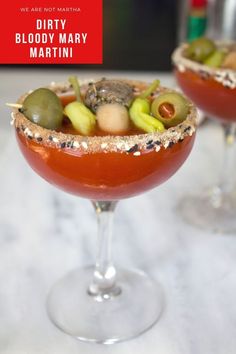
{"points": [[213, 90]]}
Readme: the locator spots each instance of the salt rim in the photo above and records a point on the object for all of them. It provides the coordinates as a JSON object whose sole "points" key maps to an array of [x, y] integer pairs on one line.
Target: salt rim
{"points": [[227, 77], [135, 144]]}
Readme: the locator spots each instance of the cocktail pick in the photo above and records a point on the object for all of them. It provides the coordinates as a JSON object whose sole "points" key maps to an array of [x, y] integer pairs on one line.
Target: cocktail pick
{"points": [[14, 105]]}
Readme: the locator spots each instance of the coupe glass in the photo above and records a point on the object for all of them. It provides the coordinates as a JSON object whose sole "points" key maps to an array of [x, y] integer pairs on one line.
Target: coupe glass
{"points": [[102, 304], [214, 92]]}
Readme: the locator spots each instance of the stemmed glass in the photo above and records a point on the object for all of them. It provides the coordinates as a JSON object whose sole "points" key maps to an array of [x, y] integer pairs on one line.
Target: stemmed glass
{"points": [[102, 304], [213, 90]]}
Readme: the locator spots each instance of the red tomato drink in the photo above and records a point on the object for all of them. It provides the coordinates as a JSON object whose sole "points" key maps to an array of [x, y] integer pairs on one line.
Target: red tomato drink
{"points": [[213, 90], [104, 167]]}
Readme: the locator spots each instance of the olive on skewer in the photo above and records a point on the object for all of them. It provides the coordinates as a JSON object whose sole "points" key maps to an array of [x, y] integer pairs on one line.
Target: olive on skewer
{"points": [[44, 108]]}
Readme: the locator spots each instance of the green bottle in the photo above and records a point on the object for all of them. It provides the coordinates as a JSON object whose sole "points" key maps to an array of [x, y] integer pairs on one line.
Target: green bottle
{"points": [[197, 19]]}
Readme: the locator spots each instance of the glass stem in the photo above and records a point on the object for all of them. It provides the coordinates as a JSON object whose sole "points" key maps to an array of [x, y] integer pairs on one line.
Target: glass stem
{"points": [[226, 181], [103, 285]]}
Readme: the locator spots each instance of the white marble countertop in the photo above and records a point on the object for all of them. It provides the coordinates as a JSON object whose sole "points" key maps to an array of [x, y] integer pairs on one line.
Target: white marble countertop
{"points": [[44, 233]]}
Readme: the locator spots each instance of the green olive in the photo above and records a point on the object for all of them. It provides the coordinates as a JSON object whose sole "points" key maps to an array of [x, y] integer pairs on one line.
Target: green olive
{"points": [[215, 59], [44, 108], [199, 49], [170, 108]]}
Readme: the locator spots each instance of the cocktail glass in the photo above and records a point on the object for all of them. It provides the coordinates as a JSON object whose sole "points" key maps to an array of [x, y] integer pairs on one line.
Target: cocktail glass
{"points": [[213, 90], [101, 304]]}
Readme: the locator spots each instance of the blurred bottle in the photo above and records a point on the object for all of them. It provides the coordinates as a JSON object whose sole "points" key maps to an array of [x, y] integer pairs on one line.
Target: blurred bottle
{"points": [[192, 18], [192, 24], [222, 19], [197, 19]]}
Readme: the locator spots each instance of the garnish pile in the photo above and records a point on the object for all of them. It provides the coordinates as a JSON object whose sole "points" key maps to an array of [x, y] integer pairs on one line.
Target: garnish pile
{"points": [[109, 105], [206, 51]]}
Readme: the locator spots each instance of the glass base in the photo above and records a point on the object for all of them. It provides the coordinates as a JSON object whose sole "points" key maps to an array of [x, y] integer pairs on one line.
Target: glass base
{"points": [[210, 211], [136, 308]]}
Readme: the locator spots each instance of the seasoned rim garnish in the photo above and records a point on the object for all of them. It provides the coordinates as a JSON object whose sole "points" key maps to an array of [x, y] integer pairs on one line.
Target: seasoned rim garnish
{"points": [[227, 77], [135, 144]]}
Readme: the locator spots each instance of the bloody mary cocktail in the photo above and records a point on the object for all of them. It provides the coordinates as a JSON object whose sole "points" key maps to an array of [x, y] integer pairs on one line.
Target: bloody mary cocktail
{"points": [[104, 167], [113, 139], [212, 89], [206, 72]]}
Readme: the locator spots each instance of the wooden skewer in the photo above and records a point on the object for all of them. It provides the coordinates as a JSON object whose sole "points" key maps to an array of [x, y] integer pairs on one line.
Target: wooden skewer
{"points": [[14, 105]]}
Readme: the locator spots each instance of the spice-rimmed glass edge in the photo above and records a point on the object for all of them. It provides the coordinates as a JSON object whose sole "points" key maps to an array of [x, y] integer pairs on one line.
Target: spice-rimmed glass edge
{"points": [[108, 143], [227, 77]]}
